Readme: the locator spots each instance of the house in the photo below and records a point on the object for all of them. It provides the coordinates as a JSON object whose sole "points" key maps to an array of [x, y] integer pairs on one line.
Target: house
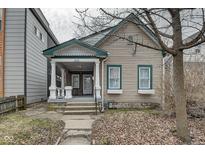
{"points": [[108, 68], [24, 34]]}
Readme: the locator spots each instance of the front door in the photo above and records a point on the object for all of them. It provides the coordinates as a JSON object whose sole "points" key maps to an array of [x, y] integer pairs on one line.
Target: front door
{"points": [[87, 84]]}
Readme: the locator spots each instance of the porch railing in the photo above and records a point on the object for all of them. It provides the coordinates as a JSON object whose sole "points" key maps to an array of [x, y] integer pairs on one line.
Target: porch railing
{"points": [[60, 92]]}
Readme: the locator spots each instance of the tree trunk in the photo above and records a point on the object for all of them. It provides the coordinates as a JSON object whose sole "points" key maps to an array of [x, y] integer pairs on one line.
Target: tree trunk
{"points": [[179, 98]]}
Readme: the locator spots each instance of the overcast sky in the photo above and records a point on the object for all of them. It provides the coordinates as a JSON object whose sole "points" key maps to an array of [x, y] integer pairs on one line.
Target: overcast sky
{"points": [[60, 21]]}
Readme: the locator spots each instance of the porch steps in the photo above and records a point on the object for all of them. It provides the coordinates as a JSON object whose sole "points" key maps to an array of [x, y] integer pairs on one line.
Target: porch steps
{"points": [[73, 107], [80, 108], [80, 104], [80, 112]]}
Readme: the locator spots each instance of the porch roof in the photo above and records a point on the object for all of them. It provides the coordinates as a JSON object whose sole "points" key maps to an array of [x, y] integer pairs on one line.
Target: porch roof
{"points": [[53, 51]]}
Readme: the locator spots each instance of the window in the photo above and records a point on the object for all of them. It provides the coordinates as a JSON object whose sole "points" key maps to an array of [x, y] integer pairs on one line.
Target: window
{"points": [[35, 31], [1, 14], [75, 80], [38, 33], [41, 36], [114, 77], [144, 77]]}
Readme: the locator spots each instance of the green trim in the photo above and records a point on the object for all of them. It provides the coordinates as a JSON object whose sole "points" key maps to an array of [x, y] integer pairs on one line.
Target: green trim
{"points": [[82, 57], [51, 51], [108, 66], [151, 76]]}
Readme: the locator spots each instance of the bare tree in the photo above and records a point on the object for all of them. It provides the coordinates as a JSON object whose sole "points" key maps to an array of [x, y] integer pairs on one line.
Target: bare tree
{"points": [[170, 27]]}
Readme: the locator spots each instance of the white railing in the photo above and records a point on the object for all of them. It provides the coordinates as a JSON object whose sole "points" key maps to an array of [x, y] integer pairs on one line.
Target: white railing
{"points": [[60, 92]]}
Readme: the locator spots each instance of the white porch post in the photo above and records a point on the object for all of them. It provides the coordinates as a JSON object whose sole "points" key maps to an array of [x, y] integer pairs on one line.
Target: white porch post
{"points": [[62, 80], [97, 79], [52, 88]]}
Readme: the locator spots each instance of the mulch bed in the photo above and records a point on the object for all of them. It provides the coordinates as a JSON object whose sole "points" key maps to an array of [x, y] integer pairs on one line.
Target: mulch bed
{"points": [[142, 127]]}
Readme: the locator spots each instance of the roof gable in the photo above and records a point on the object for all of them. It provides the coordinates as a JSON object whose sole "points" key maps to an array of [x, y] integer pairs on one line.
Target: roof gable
{"points": [[141, 25], [89, 50]]}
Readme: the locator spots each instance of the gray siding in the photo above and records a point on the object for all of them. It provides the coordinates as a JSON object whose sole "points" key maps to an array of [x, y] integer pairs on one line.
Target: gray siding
{"points": [[14, 52], [36, 62]]}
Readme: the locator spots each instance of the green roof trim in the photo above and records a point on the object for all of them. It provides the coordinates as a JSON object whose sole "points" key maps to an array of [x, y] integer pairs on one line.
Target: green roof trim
{"points": [[50, 52]]}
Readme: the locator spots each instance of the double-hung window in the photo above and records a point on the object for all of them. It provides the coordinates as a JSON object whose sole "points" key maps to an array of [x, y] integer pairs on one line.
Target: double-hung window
{"points": [[144, 77], [1, 14], [114, 77]]}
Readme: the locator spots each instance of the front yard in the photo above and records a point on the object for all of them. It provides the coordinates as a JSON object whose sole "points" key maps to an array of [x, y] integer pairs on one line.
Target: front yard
{"points": [[142, 127], [18, 128]]}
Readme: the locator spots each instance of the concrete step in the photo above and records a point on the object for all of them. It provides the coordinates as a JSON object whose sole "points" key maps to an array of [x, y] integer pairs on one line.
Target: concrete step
{"points": [[80, 112], [67, 108], [80, 104]]}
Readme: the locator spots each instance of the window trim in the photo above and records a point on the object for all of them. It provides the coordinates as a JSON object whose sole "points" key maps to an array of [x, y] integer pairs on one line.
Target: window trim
{"points": [[108, 78], [78, 80], [151, 75]]}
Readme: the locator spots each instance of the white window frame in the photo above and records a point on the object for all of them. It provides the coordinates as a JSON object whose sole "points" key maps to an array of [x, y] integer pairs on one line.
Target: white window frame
{"points": [[139, 82], [73, 75], [119, 73]]}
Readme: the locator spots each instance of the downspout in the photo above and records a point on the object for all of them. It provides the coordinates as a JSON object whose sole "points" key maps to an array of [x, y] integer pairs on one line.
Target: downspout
{"points": [[103, 83]]}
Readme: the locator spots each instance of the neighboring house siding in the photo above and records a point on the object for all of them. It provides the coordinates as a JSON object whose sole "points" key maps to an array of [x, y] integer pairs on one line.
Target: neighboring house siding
{"points": [[121, 54], [14, 52], [2, 34], [50, 44], [195, 54], [36, 62]]}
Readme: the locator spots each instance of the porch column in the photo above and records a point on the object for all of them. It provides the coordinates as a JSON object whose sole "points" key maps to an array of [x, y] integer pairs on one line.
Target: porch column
{"points": [[97, 79], [52, 88], [62, 81], [62, 78]]}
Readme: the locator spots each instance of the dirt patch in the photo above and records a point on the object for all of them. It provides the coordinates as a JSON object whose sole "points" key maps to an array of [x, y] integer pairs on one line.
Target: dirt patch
{"points": [[142, 127], [17, 128]]}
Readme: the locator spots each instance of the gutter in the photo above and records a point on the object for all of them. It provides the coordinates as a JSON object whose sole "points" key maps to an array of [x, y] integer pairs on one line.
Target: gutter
{"points": [[102, 91]]}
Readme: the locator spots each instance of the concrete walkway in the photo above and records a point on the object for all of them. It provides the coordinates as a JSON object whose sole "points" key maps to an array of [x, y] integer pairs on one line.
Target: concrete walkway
{"points": [[77, 129]]}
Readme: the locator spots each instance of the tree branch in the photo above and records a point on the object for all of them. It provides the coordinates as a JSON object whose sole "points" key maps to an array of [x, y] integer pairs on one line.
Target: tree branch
{"points": [[199, 36], [157, 33]]}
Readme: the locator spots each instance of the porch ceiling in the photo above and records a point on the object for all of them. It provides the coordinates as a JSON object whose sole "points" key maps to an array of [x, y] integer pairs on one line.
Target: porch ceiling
{"points": [[79, 66]]}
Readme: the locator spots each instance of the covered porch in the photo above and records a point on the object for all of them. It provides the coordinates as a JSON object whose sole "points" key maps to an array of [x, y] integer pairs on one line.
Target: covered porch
{"points": [[74, 79], [75, 71]]}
